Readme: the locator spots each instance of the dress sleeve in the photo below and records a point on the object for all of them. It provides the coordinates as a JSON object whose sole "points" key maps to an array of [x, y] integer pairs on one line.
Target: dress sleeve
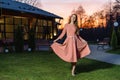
{"points": [[63, 33]]}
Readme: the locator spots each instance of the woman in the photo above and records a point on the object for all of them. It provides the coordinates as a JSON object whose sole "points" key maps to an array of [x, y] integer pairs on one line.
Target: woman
{"points": [[74, 47]]}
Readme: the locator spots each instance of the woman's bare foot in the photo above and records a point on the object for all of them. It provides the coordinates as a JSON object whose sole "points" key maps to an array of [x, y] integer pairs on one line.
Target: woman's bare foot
{"points": [[73, 73], [73, 69]]}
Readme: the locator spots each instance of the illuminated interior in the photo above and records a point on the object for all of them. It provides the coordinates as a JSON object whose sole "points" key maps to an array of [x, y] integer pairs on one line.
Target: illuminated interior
{"points": [[44, 28]]}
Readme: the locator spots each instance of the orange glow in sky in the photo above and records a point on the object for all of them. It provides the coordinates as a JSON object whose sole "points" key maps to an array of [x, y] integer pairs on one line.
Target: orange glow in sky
{"points": [[64, 8]]}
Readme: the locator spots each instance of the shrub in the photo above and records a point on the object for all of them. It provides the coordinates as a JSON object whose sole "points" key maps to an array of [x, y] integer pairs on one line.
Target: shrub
{"points": [[18, 39], [31, 39], [113, 42], [118, 36]]}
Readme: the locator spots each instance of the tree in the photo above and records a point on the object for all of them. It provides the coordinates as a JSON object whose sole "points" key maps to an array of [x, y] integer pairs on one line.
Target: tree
{"points": [[35, 3], [99, 18], [114, 41], [31, 39], [73, 11], [118, 37], [81, 13], [90, 22], [31, 36], [18, 39]]}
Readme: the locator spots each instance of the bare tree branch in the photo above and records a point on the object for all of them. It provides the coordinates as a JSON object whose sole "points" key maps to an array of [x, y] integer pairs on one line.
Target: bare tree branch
{"points": [[31, 2]]}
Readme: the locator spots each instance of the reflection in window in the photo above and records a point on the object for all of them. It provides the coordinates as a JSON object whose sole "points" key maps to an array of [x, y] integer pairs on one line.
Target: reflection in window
{"points": [[39, 36], [51, 35], [24, 21], [25, 30], [17, 21], [1, 20], [9, 35], [40, 22], [39, 29], [44, 28], [25, 36], [49, 23], [44, 22], [9, 28], [9, 20], [33, 22], [1, 28]]}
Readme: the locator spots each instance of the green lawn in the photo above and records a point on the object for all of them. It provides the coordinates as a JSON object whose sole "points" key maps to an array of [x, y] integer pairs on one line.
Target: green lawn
{"points": [[47, 66]]}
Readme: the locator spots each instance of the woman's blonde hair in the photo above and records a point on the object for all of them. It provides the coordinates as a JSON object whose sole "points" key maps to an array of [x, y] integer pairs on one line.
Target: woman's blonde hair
{"points": [[75, 22]]}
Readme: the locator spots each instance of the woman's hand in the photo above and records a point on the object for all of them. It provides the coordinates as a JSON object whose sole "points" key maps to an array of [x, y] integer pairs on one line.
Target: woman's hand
{"points": [[55, 40]]}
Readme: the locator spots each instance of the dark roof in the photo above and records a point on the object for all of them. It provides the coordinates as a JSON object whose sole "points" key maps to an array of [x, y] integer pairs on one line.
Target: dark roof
{"points": [[23, 7]]}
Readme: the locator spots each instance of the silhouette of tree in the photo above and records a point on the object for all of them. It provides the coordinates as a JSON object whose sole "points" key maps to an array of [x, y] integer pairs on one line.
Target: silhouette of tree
{"points": [[81, 13], [118, 1], [35, 3], [73, 11]]}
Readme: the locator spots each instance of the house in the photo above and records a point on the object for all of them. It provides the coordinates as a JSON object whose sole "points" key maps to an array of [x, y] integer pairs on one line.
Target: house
{"points": [[14, 14]]}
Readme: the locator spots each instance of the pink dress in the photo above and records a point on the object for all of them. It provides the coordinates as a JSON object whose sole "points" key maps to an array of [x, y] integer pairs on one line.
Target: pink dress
{"points": [[73, 48]]}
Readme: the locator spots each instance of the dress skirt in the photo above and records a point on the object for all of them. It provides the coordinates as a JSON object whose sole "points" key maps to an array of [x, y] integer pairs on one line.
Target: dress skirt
{"points": [[72, 49]]}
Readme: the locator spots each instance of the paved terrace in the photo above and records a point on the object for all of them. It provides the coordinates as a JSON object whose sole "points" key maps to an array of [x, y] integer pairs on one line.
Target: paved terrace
{"points": [[101, 55]]}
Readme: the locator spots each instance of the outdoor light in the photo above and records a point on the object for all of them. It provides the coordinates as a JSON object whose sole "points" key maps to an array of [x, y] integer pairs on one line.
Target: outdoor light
{"points": [[116, 24], [97, 40], [51, 37], [55, 34], [29, 49], [1, 21], [81, 29], [6, 50]]}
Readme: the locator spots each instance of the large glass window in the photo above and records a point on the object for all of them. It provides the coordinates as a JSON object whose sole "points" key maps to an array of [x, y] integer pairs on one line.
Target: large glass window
{"points": [[17, 21], [1, 27], [9, 35], [1, 20], [9, 28], [49, 23], [9, 20], [40, 22], [44, 28], [25, 30], [33, 22], [51, 29], [24, 21], [1, 31], [39, 29], [44, 22]]}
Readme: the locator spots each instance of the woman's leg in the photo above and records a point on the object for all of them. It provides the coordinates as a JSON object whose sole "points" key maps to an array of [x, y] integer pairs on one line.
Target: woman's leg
{"points": [[73, 68]]}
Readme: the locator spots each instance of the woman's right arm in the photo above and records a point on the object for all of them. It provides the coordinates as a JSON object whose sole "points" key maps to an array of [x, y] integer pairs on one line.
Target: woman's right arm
{"points": [[62, 34]]}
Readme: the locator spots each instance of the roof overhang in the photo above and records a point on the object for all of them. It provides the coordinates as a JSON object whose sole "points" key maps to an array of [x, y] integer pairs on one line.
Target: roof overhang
{"points": [[25, 8]]}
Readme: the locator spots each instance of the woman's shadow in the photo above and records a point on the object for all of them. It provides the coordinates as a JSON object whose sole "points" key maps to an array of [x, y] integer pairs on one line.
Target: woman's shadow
{"points": [[88, 67]]}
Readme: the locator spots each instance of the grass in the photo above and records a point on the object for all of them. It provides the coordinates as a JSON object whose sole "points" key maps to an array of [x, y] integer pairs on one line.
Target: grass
{"points": [[47, 66], [116, 51]]}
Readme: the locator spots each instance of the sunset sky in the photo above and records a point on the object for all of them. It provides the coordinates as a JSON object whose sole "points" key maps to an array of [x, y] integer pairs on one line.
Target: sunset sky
{"points": [[64, 8]]}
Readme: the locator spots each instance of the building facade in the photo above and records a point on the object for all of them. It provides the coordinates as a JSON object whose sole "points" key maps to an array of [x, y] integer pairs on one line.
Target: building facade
{"points": [[15, 14]]}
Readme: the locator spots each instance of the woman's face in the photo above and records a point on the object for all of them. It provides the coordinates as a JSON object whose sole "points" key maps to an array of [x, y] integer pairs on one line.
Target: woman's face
{"points": [[73, 18]]}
